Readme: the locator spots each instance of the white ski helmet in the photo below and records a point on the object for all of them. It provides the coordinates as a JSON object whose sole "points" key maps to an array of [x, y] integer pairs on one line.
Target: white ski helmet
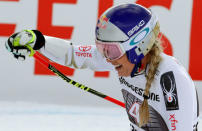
{"points": [[126, 28]]}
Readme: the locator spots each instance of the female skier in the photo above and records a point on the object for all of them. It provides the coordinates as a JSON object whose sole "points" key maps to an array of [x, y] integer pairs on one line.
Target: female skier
{"points": [[159, 94]]}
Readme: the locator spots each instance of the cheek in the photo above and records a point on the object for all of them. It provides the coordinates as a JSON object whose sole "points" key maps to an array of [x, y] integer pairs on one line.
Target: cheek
{"points": [[128, 67], [126, 70]]}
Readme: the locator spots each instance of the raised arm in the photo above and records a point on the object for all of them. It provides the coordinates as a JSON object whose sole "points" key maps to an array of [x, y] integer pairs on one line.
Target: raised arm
{"points": [[58, 50]]}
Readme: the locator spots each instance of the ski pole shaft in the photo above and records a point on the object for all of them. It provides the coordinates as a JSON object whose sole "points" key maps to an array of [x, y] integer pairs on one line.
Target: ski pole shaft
{"points": [[70, 81]]}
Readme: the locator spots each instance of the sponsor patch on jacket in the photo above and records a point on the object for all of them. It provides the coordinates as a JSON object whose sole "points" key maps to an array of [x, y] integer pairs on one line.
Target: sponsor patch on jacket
{"points": [[173, 122], [139, 91], [84, 51], [168, 86]]}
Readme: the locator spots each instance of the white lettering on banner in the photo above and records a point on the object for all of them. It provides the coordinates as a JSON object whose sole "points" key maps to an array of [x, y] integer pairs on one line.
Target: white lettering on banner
{"points": [[73, 24], [141, 23]]}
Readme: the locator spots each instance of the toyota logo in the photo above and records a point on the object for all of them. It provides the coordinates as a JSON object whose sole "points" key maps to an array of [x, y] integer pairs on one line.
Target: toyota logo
{"points": [[84, 48]]}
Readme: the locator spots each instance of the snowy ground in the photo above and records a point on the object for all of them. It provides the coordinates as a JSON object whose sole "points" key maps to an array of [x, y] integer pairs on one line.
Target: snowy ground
{"points": [[41, 117]]}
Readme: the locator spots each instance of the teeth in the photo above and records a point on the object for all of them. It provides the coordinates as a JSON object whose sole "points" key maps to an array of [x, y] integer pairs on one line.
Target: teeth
{"points": [[117, 66]]}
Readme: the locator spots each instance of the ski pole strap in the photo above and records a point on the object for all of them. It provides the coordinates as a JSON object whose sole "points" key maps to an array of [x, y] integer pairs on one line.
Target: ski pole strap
{"points": [[72, 82]]}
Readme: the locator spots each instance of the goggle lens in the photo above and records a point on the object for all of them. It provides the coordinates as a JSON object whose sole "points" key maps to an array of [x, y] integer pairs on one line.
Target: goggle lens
{"points": [[110, 50]]}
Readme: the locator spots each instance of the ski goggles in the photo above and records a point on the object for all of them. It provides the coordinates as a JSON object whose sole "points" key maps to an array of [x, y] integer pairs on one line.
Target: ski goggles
{"points": [[110, 50]]}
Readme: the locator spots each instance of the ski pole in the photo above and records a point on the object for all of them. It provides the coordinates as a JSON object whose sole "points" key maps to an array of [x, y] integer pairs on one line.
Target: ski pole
{"points": [[70, 81]]}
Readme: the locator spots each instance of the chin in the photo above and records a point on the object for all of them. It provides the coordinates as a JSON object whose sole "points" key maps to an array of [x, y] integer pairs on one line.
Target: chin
{"points": [[124, 75]]}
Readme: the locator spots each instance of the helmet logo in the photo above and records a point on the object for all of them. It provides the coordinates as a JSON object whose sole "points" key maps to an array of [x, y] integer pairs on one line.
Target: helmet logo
{"points": [[139, 37], [136, 28], [103, 22]]}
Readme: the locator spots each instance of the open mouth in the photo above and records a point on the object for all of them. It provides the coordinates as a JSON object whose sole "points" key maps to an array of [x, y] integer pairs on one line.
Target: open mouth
{"points": [[117, 67]]}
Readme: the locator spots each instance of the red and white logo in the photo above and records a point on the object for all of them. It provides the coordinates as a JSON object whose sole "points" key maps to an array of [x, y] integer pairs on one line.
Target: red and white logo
{"points": [[84, 51], [84, 48], [173, 122], [134, 111], [103, 22]]}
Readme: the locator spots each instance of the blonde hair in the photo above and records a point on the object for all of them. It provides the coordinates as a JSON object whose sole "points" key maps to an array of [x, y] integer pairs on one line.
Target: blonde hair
{"points": [[153, 59]]}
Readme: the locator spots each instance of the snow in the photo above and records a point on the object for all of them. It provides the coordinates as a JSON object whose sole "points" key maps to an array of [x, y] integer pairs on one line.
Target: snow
{"points": [[20, 116], [41, 117]]}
